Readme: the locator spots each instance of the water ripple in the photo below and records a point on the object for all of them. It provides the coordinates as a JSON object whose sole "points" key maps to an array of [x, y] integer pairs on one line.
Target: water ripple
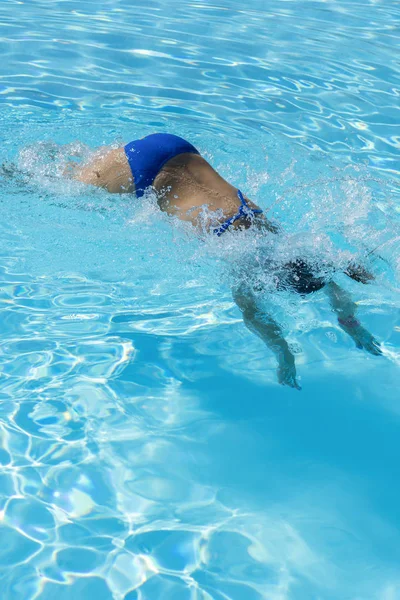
{"points": [[145, 448], [81, 59]]}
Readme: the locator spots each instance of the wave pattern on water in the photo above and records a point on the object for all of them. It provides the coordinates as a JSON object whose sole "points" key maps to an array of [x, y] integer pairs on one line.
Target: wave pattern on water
{"points": [[323, 73], [146, 449]]}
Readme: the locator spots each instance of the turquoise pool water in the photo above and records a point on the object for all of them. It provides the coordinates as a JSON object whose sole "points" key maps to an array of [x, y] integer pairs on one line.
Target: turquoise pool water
{"points": [[147, 450]]}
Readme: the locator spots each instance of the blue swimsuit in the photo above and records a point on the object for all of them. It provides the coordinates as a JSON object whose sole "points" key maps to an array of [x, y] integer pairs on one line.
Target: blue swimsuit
{"points": [[146, 157], [244, 211]]}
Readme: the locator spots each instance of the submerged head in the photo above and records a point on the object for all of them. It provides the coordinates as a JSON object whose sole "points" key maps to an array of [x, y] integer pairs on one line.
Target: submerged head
{"points": [[301, 277]]}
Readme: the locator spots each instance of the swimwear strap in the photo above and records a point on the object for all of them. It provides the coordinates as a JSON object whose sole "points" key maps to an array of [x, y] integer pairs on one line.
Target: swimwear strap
{"points": [[244, 211]]}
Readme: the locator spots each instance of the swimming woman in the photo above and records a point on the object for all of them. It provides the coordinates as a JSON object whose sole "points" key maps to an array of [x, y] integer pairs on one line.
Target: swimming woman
{"points": [[185, 183]]}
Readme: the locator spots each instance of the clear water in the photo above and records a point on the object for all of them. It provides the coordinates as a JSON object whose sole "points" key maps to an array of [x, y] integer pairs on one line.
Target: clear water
{"points": [[147, 450]]}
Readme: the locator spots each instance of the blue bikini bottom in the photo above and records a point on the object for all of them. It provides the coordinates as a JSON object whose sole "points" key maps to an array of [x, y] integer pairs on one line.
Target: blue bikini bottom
{"points": [[146, 157]]}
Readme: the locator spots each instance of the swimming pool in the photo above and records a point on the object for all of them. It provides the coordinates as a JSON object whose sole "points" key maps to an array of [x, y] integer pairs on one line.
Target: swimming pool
{"points": [[147, 449]]}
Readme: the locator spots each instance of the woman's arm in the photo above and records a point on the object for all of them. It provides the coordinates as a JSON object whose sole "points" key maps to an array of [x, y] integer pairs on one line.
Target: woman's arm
{"points": [[262, 324], [346, 309]]}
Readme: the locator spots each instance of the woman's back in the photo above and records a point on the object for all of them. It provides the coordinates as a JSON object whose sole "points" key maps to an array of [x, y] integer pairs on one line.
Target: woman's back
{"points": [[185, 185]]}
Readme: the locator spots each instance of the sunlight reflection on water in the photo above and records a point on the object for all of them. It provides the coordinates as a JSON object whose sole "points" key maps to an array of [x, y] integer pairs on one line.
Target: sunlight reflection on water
{"points": [[147, 450]]}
